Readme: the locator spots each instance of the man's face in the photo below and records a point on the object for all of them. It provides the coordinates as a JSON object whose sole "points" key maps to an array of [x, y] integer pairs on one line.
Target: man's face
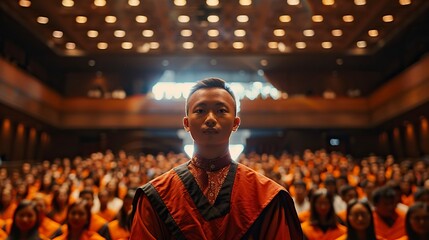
{"points": [[211, 116], [386, 207]]}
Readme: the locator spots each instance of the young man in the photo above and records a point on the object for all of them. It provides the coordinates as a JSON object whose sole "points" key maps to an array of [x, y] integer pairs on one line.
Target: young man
{"points": [[211, 196]]}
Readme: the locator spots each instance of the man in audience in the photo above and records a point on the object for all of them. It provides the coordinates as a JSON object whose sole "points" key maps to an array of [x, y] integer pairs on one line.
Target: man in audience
{"points": [[300, 198], [212, 196], [97, 224], [389, 222], [48, 227]]}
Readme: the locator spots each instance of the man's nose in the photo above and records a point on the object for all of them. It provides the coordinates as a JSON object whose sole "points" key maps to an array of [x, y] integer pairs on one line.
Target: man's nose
{"points": [[210, 120]]}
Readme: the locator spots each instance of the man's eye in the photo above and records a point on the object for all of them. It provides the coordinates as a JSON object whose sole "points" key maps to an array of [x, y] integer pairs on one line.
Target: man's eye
{"points": [[199, 111], [222, 111]]}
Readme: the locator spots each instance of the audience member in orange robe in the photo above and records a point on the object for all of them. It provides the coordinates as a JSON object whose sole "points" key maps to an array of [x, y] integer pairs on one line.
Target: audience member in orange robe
{"points": [[119, 228], [347, 193], [7, 205], [211, 196], [97, 223], [105, 212], [47, 227], [417, 222], [60, 202], [78, 221], [25, 222], [300, 198], [389, 222], [360, 223], [323, 224]]}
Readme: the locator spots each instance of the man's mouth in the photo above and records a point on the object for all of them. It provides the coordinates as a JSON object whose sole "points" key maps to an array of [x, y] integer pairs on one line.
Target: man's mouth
{"points": [[210, 131]]}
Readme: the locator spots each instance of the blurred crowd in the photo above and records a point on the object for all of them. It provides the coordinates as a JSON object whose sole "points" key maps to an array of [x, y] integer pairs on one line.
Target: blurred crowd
{"points": [[336, 196]]}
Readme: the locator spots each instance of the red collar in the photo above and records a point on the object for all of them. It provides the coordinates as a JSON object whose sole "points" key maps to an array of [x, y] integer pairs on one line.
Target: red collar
{"points": [[213, 164]]}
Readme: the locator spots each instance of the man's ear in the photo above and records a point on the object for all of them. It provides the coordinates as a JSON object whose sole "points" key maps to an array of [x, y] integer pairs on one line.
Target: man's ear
{"points": [[236, 124], [186, 124]]}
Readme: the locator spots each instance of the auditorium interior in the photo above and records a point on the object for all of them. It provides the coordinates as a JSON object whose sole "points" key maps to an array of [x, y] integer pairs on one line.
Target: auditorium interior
{"points": [[328, 92], [78, 78]]}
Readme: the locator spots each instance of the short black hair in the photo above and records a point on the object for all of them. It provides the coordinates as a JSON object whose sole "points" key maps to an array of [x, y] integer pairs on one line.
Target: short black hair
{"points": [[211, 83], [385, 192]]}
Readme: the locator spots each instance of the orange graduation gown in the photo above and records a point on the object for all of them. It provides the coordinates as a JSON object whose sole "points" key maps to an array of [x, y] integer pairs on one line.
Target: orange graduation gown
{"points": [[249, 205], [314, 233], [397, 230]]}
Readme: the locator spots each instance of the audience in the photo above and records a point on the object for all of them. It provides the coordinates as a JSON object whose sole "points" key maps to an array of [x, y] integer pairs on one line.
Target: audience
{"points": [[106, 182]]}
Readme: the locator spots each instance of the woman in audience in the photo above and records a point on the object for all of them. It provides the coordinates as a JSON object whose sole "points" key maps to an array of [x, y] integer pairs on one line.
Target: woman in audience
{"points": [[323, 223], [417, 222], [119, 228], [25, 222], [60, 202], [360, 223], [78, 219], [7, 205]]}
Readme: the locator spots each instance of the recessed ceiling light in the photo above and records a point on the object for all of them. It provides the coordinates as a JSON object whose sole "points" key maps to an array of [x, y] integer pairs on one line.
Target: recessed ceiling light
{"points": [[67, 3], [213, 18], [300, 45], [92, 33], [213, 32], [405, 2], [42, 20], [183, 18], [147, 33], [110, 19], [240, 33], [238, 45], [100, 3], [242, 18], [317, 18], [133, 3], [57, 34], [361, 44], [245, 2], [91, 63], [328, 2], [102, 45], [264, 62], [70, 45], [273, 45], [360, 2], [213, 45], [388, 18], [293, 2], [188, 45], [348, 18], [154, 45], [24, 3], [212, 3], [186, 33], [337, 32], [127, 45], [180, 3], [141, 19], [326, 45], [308, 32], [285, 18], [373, 33], [119, 33], [279, 32], [81, 19]]}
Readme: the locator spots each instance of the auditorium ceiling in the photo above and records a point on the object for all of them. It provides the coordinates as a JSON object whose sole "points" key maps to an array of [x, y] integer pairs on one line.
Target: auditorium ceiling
{"points": [[355, 40]]}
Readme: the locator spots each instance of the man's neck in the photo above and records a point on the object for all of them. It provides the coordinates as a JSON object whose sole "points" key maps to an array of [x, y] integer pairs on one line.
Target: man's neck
{"points": [[211, 152]]}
